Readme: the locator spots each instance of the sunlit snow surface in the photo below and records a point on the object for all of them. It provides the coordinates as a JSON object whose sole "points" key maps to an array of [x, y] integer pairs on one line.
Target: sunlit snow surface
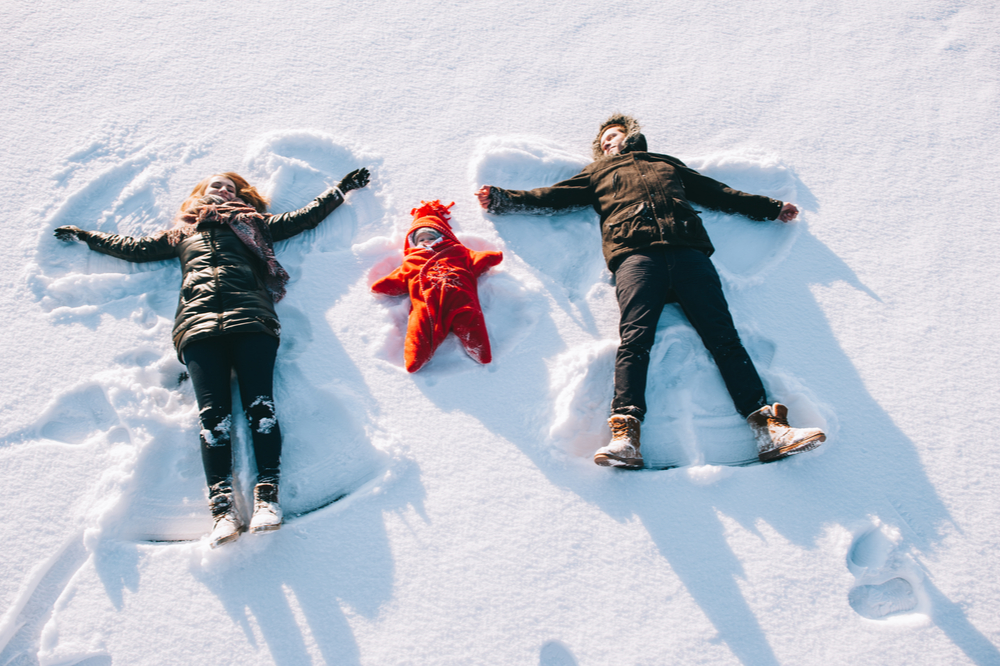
{"points": [[454, 516]]}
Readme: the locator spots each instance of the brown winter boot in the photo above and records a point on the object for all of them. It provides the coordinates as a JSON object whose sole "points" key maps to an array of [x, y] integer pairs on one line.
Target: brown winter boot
{"points": [[228, 524], [266, 510], [776, 439], [623, 449]]}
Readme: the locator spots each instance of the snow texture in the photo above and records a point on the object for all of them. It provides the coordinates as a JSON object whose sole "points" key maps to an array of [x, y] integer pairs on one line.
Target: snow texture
{"points": [[454, 516]]}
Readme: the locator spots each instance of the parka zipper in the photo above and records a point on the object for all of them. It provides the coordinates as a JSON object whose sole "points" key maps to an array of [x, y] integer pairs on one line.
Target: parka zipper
{"points": [[650, 196], [213, 257]]}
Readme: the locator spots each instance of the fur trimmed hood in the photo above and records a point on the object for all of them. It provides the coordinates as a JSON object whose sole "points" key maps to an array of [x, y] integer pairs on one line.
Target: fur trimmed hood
{"points": [[634, 139]]}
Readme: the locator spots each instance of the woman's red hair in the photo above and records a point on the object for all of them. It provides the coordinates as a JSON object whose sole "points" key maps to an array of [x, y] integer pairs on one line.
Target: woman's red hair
{"points": [[244, 191]]}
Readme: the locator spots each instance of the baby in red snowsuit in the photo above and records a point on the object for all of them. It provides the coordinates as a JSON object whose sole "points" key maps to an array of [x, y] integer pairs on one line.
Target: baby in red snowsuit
{"points": [[440, 274]]}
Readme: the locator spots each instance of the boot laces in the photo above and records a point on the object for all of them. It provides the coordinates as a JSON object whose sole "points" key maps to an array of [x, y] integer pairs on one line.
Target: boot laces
{"points": [[221, 505], [266, 493], [220, 498], [778, 420], [622, 428]]}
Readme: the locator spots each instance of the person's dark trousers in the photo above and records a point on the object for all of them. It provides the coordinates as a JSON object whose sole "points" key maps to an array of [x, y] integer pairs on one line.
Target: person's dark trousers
{"points": [[647, 281], [210, 363]]}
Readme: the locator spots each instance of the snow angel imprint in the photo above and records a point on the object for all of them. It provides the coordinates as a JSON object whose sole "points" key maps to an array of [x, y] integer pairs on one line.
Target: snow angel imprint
{"points": [[440, 275], [657, 247], [224, 238]]}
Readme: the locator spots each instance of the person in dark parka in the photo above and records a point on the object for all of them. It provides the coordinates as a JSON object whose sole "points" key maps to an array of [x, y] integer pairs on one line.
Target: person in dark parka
{"points": [[655, 243], [226, 321]]}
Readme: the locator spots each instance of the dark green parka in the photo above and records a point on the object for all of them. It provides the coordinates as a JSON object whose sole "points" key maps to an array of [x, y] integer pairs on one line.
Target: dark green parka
{"points": [[643, 199], [222, 286]]}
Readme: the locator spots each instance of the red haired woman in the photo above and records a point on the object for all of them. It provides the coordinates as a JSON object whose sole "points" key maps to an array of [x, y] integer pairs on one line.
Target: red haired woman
{"points": [[225, 321]]}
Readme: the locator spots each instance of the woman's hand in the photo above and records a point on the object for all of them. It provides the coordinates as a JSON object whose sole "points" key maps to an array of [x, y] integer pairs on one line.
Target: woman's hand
{"points": [[68, 233], [354, 180], [788, 212], [483, 194]]}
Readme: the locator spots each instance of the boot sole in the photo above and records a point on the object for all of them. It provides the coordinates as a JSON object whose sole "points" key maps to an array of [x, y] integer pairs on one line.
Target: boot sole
{"points": [[265, 528], [607, 460], [792, 449], [228, 539]]}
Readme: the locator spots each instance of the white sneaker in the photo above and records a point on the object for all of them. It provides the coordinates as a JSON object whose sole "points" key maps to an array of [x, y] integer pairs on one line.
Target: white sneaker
{"points": [[266, 510]]}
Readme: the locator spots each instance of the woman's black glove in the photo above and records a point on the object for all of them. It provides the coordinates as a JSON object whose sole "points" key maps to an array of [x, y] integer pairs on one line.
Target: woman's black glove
{"points": [[212, 199], [354, 180], [68, 233]]}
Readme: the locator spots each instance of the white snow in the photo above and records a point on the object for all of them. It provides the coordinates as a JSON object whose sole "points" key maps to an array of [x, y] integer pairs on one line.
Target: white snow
{"points": [[471, 526]]}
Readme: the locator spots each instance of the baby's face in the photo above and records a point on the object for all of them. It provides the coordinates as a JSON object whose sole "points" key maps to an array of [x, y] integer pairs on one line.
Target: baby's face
{"points": [[425, 236]]}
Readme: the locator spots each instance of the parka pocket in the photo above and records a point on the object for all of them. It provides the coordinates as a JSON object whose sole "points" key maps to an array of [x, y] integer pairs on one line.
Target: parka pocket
{"points": [[685, 210], [634, 226], [687, 222]]}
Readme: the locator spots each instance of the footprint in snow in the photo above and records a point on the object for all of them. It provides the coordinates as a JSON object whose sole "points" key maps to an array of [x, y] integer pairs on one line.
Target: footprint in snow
{"points": [[888, 581], [555, 653]]}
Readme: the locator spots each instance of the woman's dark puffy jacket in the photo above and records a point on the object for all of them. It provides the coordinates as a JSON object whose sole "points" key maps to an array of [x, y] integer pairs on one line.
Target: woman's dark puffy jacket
{"points": [[222, 289], [643, 200]]}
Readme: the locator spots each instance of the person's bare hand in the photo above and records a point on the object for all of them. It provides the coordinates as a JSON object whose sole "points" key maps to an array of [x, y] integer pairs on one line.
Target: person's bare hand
{"points": [[788, 212], [483, 194]]}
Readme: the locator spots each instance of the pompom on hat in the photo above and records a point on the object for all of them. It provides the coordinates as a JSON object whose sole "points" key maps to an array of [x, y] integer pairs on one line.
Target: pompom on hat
{"points": [[432, 209]]}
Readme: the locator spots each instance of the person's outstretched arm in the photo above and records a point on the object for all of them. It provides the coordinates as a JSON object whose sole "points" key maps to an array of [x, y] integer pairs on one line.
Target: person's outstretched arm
{"points": [[788, 212], [711, 193], [308, 217], [139, 250], [575, 192], [483, 261], [393, 284]]}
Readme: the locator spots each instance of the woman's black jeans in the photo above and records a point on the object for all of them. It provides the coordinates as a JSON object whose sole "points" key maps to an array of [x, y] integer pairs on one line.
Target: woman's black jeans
{"points": [[647, 281], [210, 363]]}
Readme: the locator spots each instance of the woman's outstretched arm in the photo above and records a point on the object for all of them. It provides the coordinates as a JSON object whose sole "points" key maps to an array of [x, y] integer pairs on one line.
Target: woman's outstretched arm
{"points": [[142, 249], [295, 222]]}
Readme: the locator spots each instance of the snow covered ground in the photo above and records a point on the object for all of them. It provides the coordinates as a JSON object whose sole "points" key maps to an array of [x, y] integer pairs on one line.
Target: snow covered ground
{"points": [[470, 526]]}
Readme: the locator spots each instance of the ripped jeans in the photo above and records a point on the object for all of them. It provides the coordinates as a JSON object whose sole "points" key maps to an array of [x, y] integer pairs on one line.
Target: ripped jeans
{"points": [[211, 363]]}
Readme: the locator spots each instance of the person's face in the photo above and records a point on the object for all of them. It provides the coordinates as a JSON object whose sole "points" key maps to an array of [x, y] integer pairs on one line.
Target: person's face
{"points": [[222, 187], [424, 237], [612, 140]]}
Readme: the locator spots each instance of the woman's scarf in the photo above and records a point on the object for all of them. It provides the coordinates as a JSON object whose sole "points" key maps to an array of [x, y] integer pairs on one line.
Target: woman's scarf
{"points": [[248, 225]]}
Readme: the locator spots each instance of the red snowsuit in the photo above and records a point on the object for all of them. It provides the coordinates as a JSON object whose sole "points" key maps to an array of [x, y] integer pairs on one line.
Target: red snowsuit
{"points": [[441, 281]]}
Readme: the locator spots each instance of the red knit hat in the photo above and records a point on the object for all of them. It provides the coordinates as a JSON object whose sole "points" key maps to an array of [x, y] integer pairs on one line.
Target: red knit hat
{"points": [[432, 209]]}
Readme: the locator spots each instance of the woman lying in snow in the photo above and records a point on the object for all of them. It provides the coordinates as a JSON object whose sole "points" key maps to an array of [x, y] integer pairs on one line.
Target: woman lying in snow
{"points": [[440, 274], [223, 237]]}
